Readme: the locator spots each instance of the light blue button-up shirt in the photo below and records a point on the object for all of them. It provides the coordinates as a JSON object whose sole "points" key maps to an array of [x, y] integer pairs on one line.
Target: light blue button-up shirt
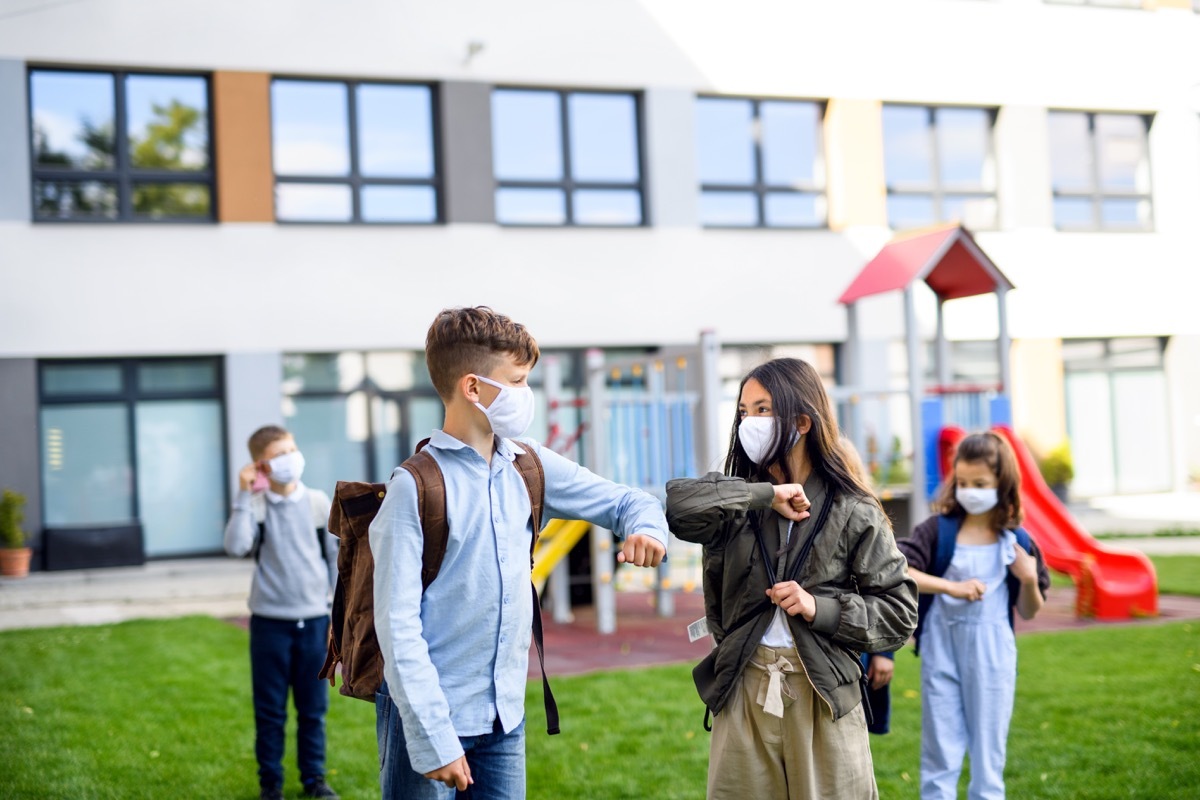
{"points": [[456, 657]]}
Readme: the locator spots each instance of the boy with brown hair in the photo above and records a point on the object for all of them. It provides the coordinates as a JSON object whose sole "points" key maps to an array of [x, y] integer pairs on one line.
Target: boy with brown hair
{"points": [[282, 525], [451, 713]]}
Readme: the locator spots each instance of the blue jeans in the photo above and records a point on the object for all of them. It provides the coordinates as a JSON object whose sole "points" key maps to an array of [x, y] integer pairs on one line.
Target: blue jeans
{"points": [[496, 759], [288, 654]]}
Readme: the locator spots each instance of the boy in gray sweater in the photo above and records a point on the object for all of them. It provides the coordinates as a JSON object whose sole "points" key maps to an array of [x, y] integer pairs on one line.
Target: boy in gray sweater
{"points": [[282, 523]]}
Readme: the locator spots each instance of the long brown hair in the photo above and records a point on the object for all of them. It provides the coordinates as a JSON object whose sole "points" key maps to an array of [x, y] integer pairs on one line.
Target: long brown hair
{"points": [[991, 449], [796, 389]]}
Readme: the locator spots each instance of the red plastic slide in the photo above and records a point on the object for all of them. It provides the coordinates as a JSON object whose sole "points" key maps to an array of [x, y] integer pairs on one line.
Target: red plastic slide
{"points": [[1111, 583]]}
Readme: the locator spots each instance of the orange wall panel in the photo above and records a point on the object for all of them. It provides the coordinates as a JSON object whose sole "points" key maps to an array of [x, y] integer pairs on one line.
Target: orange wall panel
{"points": [[242, 130]]}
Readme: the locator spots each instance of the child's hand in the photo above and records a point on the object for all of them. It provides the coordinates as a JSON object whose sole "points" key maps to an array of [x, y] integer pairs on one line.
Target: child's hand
{"points": [[967, 590], [879, 671], [247, 476], [794, 599], [1024, 566], [456, 774], [790, 501], [641, 551]]}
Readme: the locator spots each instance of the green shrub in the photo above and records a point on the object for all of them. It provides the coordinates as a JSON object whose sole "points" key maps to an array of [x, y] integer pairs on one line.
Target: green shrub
{"points": [[1057, 467], [11, 517]]}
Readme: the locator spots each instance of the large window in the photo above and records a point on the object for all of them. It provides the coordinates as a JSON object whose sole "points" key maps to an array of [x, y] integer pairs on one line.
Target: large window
{"points": [[1118, 407], [120, 146], [350, 151], [136, 440], [1100, 171], [761, 163], [939, 166], [358, 415], [567, 158]]}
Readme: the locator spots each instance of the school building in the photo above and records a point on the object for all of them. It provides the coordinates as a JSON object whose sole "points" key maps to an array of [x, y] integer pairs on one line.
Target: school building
{"points": [[218, 214]]}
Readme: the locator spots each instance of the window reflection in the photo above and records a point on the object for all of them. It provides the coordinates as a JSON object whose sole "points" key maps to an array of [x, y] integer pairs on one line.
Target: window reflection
{"points": [[75, 200], [544, 142], [310, 128], [725, 143], [73, 124], [770, 153], [527, 135], [168, 122], [939, 166], [79, 172], [604, 140], [531, 206], [395, 131], [1100, 171], [389, 175]]}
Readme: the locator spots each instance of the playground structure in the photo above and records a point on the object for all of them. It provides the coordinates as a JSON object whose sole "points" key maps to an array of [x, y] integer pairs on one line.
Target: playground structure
{"points": [[1111, 583], [648, 419], [655, 417]]}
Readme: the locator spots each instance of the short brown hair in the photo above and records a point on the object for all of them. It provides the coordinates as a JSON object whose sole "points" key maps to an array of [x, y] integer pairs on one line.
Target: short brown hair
{"points": [[262, 438], [991, 449], [472, 340]]}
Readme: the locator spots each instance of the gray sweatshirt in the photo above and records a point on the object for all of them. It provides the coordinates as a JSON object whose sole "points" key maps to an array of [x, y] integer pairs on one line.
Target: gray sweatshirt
{"points": [[294, 579]]}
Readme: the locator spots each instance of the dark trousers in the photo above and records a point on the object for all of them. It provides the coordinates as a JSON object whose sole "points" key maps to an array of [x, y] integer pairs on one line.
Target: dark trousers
{"points": [[288, 654]]}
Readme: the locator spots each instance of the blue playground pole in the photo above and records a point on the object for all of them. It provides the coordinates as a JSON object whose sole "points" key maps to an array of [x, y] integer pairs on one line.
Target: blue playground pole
{"points": [[931, 427], [1000, 410]]}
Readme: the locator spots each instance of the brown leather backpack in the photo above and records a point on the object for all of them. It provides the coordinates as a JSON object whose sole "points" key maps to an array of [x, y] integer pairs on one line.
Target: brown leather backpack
{"points": [[352, 641]]}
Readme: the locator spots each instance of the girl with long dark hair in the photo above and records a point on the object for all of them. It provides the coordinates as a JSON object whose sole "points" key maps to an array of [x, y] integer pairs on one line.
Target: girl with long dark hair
{"points": [[801, 575]]}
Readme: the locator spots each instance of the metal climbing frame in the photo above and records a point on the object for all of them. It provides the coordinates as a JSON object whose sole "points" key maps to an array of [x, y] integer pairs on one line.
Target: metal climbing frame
{"points": [[651, 418]]}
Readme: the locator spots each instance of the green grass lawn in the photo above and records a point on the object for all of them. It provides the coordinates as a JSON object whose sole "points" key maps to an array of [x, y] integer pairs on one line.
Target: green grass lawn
{"points": [[161, 709]]}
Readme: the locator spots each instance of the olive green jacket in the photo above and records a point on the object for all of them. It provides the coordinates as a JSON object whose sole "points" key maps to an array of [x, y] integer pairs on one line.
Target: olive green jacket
{"points": [[865, 600]]}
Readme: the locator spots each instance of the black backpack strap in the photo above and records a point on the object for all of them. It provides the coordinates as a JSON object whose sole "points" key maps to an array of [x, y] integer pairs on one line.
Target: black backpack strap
{"points": [[258, 540], [530, 468]]}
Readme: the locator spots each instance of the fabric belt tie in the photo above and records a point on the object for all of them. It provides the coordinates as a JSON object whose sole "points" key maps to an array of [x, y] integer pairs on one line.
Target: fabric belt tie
{"points": [[774, 688]]}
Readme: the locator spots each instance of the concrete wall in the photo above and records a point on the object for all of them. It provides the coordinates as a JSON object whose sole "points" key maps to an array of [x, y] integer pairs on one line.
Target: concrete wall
{"points": [[20, 450], [15, 190]]}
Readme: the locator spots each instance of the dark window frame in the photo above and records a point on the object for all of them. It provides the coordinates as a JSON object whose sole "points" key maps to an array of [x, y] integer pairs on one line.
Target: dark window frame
{"points": [[936, 191], [355, 180], [760, 188], [1095, 194], [128, 396], [568, 185], [122, 175]]}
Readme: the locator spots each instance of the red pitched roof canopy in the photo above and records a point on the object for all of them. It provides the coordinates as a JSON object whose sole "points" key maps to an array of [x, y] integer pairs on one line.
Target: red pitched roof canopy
{"points": [[947, 259]]}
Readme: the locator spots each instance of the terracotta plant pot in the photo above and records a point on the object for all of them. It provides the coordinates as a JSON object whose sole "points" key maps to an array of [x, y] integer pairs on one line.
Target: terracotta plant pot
{"points": [[14, 561]]}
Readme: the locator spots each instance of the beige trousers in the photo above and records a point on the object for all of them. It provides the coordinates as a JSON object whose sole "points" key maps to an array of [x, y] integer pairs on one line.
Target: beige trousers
{"points": [[805, 755]]}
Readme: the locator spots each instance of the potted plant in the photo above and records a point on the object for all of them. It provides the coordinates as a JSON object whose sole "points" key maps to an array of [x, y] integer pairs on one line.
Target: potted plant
{"points": [[1057, 470], [14, 555]]}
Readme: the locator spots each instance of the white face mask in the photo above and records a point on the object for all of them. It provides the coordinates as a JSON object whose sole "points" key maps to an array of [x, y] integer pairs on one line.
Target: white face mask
{"points": [[511, 413], [757, 435], [287, 468], [976, 501]]}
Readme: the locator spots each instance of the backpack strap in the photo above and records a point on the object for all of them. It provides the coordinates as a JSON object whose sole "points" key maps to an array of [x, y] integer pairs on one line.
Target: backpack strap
{"points": [[258, 507], [316, 504], [1011, 583], [529, 465], [947, 538], [431, 508]]}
